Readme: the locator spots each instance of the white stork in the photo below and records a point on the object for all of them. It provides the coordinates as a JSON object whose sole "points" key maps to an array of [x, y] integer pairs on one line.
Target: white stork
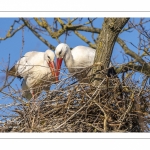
{"points": [[76, 59], [37, 70]]}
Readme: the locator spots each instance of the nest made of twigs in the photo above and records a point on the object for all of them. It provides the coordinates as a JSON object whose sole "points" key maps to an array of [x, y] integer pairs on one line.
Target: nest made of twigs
{"points": [[113, 106]]}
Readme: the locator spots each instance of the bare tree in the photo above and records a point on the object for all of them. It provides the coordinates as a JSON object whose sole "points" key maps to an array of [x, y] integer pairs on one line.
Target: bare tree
{"points": [[110, 105]]}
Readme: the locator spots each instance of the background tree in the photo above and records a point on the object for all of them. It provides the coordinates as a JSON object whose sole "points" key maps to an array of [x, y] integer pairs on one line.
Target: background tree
{"points": [[125, 110]]}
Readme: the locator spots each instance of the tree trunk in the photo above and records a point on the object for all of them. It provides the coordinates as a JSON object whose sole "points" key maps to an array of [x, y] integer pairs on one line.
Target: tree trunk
{"points": [[105, 43]]}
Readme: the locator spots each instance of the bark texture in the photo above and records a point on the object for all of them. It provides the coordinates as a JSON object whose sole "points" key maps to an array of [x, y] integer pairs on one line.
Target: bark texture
{"points": [[105, 43]]}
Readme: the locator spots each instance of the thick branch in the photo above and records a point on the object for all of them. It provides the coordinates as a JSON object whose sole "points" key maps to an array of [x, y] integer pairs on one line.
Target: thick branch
{"points": [[107, 38], [105, 43], [61, 22], [69, 26], [65, 27], [131, 66], [84, 28], [43, 23]]}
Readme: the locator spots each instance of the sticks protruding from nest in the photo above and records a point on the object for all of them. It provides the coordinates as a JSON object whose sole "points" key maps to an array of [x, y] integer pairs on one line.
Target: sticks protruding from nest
{"points": [[81, 107]]}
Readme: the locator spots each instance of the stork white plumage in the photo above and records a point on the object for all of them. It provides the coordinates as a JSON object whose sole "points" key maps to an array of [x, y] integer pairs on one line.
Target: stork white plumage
{"points": [[76, 59], [37, 70]]}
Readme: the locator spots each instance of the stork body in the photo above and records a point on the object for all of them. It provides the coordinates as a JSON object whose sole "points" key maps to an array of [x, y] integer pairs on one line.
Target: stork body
{"points": [[37, 70], [76, 59]]}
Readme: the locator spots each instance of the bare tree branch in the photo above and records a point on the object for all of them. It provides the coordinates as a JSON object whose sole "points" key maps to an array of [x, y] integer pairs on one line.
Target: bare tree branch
{"points": [[85, 39], [132, 54], [11, 32], [132, 66], [36, 34]]}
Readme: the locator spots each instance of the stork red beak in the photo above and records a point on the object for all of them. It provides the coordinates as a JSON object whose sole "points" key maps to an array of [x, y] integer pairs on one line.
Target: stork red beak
{"points": [[58, 66], [52, 68]]}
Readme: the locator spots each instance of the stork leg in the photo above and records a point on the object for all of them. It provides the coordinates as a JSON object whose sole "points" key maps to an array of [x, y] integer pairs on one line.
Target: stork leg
{"points": [[33, 95]]}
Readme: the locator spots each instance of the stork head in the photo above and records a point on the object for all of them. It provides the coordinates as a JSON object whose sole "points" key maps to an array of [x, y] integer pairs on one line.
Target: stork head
{"points": [[49, 57], [60, 53]]}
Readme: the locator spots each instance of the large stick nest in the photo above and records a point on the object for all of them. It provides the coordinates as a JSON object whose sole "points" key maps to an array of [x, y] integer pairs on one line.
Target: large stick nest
{"points": [[114, 106]]}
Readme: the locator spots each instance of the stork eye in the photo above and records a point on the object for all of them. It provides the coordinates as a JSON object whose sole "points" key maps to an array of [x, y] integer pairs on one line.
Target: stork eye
{"points": [[60, 52], [48, 57]]}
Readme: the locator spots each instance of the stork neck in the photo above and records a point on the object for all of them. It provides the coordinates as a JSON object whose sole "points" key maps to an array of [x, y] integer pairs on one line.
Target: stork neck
{"points": [[68, 59], [45, 63]]}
